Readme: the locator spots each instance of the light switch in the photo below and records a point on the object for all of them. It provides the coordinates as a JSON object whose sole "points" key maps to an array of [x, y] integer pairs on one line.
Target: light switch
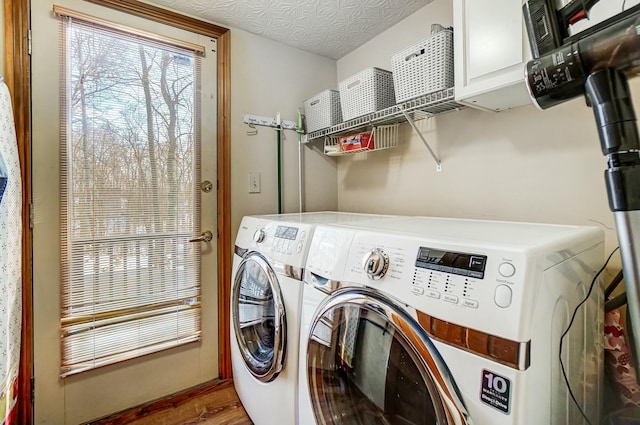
{"points": [[254, 182]]}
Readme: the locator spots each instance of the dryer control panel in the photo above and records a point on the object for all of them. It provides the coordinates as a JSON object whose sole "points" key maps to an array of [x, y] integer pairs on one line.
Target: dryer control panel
{"points": [[283, 242]]}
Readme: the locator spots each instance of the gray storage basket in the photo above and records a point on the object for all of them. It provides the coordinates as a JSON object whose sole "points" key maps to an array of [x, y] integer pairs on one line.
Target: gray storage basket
{"points": [[425, 67], [323, 110], [369, 90]]}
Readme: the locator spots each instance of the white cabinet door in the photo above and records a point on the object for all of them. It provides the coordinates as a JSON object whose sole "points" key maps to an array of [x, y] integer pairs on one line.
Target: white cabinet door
{"points": [[491, 50]]}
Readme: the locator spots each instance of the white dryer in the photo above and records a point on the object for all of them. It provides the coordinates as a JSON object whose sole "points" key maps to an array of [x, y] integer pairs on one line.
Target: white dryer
{"points": [[266, 291], [428, 320]]}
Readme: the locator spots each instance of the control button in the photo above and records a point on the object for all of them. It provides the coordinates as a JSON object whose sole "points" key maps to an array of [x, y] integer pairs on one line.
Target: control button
{"points": [[502, 296], [450, 299], [433, 294], [299, 247], [507, 269], [303, 234], [376, 264], [417, 290], [470, 303], [259, 236]]}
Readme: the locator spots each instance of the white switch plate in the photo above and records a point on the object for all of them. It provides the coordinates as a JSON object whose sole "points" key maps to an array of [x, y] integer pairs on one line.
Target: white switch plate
{"points": [[254, 182]]}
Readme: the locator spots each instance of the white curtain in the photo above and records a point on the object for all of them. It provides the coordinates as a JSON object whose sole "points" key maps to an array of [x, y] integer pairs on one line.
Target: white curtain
{"points": [[10, 260]]}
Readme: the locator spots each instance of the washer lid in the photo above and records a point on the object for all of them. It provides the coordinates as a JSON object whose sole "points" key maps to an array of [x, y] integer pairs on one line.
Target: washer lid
{"points": [[258, 317]]}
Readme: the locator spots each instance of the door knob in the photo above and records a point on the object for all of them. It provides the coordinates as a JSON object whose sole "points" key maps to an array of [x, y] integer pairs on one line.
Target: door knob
{"points": [[205, 236]]}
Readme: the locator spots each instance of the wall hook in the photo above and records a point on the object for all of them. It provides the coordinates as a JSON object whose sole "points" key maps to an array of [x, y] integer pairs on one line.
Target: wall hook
{"points": [[253, 130]]}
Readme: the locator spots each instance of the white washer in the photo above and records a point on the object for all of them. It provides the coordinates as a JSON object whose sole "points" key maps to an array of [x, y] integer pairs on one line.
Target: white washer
{"points": [[430, 320], [266, 293]]}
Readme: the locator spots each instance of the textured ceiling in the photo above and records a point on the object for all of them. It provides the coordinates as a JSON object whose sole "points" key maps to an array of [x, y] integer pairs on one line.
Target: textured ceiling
{"points": [[330, 28]]}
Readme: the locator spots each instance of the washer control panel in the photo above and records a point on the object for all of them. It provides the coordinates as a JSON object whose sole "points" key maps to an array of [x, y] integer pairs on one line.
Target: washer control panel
{"points": [[471, 286]]}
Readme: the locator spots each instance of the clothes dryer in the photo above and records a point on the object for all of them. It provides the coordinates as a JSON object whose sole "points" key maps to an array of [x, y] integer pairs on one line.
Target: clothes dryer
{"points": [[430, 320], [266, 291]]}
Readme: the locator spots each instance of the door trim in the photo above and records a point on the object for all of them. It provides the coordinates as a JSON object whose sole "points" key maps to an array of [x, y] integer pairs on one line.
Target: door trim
{"points": [[18, 79]]}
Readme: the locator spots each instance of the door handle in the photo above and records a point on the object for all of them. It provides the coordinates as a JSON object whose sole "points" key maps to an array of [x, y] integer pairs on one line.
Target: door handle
{"points": [[205, 236]]}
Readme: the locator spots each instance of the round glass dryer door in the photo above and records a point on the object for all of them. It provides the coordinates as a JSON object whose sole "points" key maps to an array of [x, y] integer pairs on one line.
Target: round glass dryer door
{"points": [[370, 363], [259, 318]]}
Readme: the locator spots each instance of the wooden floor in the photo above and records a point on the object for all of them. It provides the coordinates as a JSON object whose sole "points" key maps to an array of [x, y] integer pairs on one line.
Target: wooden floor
{"points": [[212, 404]]}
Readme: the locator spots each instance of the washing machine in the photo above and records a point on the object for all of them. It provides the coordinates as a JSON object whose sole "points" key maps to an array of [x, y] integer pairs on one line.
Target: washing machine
{"points": [[452, 322], [270, 253]]}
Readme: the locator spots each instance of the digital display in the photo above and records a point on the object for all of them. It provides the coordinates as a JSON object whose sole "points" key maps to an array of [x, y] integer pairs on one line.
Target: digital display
{"points": [[460, 263], [286, 232]]}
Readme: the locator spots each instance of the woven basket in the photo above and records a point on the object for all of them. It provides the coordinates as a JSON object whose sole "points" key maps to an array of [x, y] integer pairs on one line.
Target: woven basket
{"points": [[367, 91], [425, 67], [322, 110]]}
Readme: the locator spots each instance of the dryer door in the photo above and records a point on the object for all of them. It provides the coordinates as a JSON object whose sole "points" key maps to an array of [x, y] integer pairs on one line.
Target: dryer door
{"points": [[369, 362], [258, 317]]}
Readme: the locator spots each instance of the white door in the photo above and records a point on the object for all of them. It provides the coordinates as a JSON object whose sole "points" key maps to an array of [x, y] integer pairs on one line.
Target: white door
{"points": [[99, 391]]}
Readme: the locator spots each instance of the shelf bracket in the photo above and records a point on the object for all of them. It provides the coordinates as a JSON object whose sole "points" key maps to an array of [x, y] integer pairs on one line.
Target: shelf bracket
{"points": [[417, 131]]}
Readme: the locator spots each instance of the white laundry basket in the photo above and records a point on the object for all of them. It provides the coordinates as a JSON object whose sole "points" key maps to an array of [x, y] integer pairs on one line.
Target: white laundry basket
{"points": [[369, 90], [425, 67], [322, 110]]}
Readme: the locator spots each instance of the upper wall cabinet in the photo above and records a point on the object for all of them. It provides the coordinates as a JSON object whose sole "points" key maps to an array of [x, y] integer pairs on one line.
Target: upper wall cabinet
{"points": [[491, 49]]}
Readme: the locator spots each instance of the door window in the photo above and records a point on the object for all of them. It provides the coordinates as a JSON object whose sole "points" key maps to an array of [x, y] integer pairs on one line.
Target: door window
{"points": [[129, 202]]}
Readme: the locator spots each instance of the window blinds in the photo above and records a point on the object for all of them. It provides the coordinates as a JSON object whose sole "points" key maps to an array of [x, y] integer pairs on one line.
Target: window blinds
{"points": [[129, 202]]}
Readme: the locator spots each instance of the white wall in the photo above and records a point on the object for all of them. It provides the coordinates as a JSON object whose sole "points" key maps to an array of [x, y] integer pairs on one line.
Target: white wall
{"points": [[522, 164], [268, 77]]}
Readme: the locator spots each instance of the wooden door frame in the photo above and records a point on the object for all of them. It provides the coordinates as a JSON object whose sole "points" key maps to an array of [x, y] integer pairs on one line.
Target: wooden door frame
{"points": [[18, 78]]}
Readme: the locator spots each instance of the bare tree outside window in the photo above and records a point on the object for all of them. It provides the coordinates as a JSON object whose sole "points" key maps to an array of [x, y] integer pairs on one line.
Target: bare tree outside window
{"points": [[130, 204]]}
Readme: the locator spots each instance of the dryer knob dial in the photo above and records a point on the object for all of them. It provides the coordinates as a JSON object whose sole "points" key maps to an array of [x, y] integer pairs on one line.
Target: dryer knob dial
{"points": [[259, 236], [376, 264]]}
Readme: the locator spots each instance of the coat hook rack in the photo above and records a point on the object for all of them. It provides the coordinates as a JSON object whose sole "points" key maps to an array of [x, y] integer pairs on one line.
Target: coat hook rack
{"points": [[253, 130], [253, 120]]}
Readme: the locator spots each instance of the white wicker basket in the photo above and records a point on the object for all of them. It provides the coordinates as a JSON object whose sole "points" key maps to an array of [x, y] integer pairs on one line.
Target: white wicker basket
{"points": [[369, 90], [322, 110], [425, 67]]}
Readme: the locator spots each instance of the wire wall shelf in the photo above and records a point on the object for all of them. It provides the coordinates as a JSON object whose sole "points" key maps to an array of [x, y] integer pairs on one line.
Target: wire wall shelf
{"points": [[416, 109], [410, 111]]}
